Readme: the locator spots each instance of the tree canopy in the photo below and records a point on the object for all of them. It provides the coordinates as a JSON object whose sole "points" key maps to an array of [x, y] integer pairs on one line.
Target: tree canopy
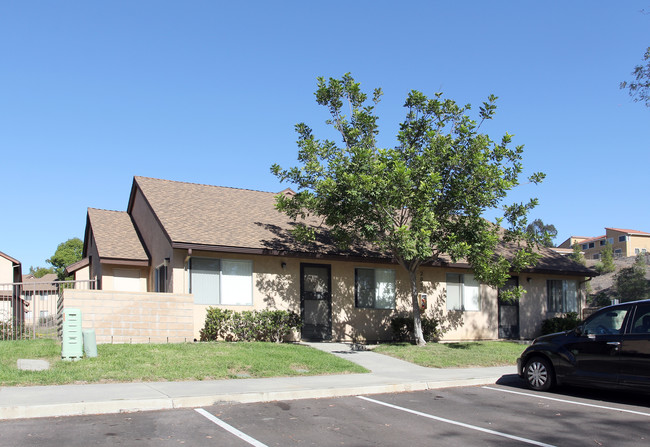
{"points": [[639, 86], [421, 199], [542, 233], [39, 272], [66, 253]]}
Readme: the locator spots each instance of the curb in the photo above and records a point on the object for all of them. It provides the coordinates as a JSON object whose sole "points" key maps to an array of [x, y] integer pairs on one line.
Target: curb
{"points": [[155, 404]]}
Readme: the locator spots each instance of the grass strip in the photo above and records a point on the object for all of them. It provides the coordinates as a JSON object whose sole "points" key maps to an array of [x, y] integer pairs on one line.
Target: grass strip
{"points": [[455, 355], [167, 362]]}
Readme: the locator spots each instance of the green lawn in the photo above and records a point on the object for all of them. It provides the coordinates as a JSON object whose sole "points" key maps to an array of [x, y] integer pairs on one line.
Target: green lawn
{"points": [[456, 355], [167, 362]]}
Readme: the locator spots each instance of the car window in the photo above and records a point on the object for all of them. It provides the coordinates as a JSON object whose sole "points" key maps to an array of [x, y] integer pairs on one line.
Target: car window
{"points": [[608, 322], [641, 324]]}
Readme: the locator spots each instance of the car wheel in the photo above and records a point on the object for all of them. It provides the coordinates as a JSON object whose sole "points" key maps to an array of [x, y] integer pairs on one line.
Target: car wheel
{"points": [[539, 374]]}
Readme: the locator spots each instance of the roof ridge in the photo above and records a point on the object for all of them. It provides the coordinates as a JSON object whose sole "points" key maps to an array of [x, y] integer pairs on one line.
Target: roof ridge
{"points": [[104, 209], [626, 230], [204, 184]]}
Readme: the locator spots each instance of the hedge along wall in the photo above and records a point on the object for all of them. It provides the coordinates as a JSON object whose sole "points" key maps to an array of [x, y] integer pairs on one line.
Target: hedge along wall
{"points": [[131, 317]]}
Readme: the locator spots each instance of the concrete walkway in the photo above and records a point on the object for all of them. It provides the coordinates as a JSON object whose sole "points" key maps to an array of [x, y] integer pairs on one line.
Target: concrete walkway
{"points": [[387, 375]]}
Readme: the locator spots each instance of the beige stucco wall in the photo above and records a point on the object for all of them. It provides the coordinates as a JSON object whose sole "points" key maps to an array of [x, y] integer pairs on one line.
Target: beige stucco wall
{"points": [[125, 317], [109, 272], [83, 274], [6, 271], [638, 242], [276, 287], [476, 325]]}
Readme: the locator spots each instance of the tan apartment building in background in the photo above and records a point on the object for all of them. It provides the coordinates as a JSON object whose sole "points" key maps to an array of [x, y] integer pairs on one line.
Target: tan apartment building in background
{"points": [[624, 243]]}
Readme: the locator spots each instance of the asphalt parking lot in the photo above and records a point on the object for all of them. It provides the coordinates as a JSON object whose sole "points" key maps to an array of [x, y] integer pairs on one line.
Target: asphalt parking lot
{"points": [[503, 414]]}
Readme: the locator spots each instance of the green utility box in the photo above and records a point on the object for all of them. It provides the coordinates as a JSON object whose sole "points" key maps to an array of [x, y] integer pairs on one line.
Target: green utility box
{"points": [[72, 343]]}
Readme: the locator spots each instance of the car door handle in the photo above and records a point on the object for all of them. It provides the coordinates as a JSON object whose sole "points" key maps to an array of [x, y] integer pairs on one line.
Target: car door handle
{"points": [[614, 343]]}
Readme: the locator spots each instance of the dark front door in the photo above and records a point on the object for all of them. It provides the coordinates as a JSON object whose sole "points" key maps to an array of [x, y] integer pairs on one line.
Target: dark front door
{"points": [[509, 313], [316, 301]]}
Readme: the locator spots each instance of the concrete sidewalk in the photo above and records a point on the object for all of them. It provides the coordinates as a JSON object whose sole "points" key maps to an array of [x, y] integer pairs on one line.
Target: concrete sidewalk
{"points": [[387, 375]]}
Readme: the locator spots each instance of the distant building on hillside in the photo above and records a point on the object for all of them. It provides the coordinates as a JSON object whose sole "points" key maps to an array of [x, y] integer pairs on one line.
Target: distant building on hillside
{"points": [[624, 243]]}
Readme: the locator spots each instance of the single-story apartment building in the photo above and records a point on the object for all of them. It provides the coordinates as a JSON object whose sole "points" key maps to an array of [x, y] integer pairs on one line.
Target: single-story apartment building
{"points": [[180, 248]]}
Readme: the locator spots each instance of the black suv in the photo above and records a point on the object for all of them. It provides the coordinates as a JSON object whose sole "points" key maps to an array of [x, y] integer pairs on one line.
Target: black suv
{"points": [[611, 348]]}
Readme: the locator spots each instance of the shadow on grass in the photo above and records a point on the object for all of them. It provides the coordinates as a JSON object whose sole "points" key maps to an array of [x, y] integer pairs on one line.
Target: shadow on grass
{"points": [[461, 345]]}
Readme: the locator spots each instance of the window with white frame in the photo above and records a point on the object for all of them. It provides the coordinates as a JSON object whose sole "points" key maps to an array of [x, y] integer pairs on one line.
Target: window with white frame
{"points": [[374, 288], [562, 295], [622, 238], [221, 281], [463, 292]]}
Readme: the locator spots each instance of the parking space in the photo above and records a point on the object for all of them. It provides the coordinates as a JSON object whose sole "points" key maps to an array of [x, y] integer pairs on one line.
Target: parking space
{"points": [[502, 414]]}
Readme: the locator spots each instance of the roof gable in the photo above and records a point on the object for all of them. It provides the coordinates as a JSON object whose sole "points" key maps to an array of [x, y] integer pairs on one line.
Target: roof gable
{"points": [[216, 216], [115, 236]]}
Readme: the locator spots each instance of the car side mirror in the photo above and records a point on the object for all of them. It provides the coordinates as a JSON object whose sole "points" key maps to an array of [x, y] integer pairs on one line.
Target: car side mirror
{"points": [[578, 331]]}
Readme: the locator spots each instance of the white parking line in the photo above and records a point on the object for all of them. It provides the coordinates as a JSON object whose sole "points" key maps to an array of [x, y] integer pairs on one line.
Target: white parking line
{"points": [[622, 410], [460, 424], [230, 428]]}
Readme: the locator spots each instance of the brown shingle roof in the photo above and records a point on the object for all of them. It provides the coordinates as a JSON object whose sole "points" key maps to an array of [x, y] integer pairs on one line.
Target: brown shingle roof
{"points": [[115, 235], [204, 215], [217, 216]]}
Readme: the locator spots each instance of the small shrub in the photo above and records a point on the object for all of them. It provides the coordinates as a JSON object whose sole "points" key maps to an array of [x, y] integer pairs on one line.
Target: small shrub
{"points": [[567, 322], [216, 324], [265, 325], [402, 328]]}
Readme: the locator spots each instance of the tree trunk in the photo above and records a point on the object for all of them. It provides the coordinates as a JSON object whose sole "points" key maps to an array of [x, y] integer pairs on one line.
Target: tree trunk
{"points": [[417, 321]]}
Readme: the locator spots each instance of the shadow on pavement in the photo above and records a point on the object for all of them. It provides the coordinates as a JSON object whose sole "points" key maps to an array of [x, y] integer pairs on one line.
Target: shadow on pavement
{"points": [[624, 397]]}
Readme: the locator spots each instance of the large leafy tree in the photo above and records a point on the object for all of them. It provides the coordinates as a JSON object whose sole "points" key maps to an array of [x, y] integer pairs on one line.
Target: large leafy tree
{"points": [[66, 253], [543, 233], [424, 198]]}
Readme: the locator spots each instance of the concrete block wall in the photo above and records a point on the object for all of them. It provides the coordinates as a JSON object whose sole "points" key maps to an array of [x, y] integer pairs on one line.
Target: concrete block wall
{"points": [[132, 317]]}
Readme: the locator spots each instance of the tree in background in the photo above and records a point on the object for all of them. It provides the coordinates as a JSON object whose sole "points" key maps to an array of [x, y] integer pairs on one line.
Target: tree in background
{"points": [[66, 253], [577, 255], [631, 283], [39, 272], [543, 234], [639, 87], [417, 201], [606, 263]]}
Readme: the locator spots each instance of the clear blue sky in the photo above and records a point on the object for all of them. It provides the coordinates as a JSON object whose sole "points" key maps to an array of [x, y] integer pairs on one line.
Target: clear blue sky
{"points": [[93, 93]]}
